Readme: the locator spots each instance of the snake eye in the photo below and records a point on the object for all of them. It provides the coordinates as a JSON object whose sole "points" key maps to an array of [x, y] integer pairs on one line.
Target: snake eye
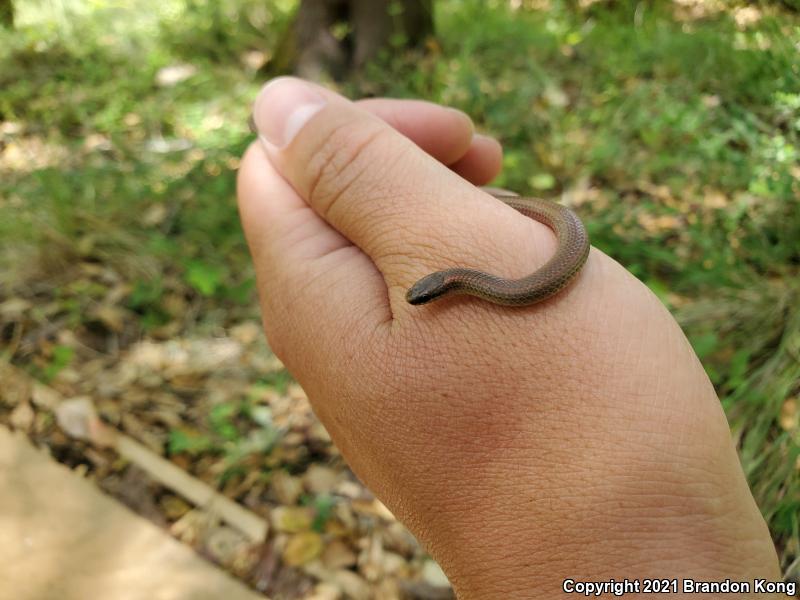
{"points": [[427, 289]]}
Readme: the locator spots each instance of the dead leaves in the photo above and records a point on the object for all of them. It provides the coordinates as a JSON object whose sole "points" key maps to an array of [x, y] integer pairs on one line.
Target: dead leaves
{"points": [[302, 548], [207, 436], [328, 537]]}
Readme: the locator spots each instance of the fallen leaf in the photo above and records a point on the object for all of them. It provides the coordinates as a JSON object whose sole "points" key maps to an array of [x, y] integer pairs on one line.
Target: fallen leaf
{"points": [[387, 589], [392, 563], [225, 544], [555, 96], [433, 575], [113, 317], [353, 586], [374, 508], [246, 333], [174, 507], [16, 387], [287, 489], [21, 418], [154, 215], [78, 418], [338, 555], [789, 415], [14, 308], [746, 16], [325, 591], [45, 397], [302, 548], [292, 519], [192, 526], [174, 74], [399, 539], [97, 141], [319, 479], [715, 199]]}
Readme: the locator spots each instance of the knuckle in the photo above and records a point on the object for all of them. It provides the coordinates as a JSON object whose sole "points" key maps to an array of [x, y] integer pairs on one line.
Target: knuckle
{"points": [[342, 159]]}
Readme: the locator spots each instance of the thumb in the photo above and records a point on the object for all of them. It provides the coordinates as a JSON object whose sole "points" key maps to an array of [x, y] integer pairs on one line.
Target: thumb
{"points": [[400, 207]]}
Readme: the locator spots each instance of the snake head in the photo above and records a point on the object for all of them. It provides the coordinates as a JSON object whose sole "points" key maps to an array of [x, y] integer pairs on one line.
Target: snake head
{"points": [[427, 289]]}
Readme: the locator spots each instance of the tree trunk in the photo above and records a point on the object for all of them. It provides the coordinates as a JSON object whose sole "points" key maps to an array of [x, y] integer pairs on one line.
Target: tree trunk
{"points": [[375, 23], [332, 37], [7, 14]]}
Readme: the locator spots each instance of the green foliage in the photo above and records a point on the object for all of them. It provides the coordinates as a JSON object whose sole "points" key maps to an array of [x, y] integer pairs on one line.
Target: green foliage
{"points": [[323, 507], [203, 277], [220, 418], [277, 380], [61, 357], [189, 442], [235, 430]]}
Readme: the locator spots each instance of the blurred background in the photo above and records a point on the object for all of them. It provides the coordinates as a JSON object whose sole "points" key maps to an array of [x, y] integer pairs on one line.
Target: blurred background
{"points": [[130, 342]]}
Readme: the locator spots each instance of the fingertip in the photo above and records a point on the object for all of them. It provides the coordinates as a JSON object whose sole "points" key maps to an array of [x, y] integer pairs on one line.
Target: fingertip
{"points": [[463, 120], [482, 161]]}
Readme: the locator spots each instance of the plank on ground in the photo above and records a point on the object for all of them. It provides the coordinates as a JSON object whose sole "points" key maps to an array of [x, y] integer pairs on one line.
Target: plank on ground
{"points": [[62, 539]]}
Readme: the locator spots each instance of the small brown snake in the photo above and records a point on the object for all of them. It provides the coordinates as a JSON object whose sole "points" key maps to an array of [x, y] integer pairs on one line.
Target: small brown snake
{"points": [[566, 263], [570, 256]]}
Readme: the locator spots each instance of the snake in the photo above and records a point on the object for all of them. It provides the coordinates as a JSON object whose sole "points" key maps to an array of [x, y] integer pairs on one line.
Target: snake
{"points": [[554, 276], [545, 282]]}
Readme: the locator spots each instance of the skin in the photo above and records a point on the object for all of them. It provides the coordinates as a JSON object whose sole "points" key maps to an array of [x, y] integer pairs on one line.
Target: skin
{"points": [[578, 438], [549, 280]]}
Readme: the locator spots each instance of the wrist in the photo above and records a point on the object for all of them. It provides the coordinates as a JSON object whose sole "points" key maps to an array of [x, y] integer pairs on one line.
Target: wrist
{"points": [[530, 522]]}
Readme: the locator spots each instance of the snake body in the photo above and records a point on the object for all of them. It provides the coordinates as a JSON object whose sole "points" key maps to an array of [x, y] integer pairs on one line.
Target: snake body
{"points": [[569, 258]]}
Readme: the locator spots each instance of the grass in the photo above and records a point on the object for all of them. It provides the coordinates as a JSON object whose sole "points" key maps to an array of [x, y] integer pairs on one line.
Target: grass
{"points": [[678, 138]]}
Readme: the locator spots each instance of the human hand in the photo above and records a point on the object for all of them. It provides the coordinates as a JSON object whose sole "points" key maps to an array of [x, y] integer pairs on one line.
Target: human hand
{"points": [[576, 438]]}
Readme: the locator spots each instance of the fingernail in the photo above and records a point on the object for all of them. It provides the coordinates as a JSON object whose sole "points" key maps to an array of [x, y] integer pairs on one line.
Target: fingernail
{"points": [[283, 106]]}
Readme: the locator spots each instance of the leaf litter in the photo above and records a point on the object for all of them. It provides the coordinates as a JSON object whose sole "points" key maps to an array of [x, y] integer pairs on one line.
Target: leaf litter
{"points": [[209, 438]]}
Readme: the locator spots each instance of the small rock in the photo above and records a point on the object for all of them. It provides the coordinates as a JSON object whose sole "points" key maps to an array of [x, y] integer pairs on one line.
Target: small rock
{"points": [[75, 415]]}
